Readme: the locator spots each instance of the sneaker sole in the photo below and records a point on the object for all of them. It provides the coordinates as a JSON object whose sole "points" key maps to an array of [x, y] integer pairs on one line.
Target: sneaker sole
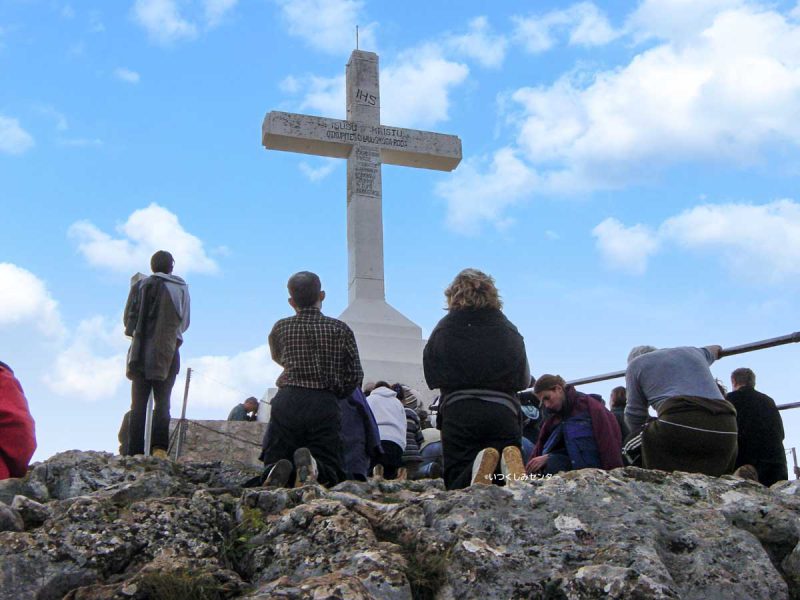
{"points": [[485, 470], [512, 465]]}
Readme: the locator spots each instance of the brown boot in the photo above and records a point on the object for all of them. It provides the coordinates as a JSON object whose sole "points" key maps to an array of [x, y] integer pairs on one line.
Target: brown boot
{"points": [[484, 465], [512, 466]]}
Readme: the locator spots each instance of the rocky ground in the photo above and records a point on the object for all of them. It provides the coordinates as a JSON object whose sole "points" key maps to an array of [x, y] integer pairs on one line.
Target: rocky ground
{"points": [[90, 525]]}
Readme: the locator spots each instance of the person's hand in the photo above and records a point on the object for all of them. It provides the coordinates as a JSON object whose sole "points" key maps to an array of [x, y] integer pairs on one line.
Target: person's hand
{"points": [[715, 350], [538, 463]]}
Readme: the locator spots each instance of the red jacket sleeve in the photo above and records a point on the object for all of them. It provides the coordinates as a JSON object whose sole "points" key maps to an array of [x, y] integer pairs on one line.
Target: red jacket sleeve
{"points": [[17, 433], [607, 435]]}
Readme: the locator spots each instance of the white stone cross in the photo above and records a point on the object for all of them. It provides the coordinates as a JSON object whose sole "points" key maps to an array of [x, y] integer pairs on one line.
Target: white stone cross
{"points": [[365, 143]]}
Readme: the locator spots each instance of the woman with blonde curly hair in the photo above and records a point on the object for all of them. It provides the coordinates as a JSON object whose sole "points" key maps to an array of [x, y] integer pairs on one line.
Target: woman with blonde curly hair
{"points": [[476, 358]]}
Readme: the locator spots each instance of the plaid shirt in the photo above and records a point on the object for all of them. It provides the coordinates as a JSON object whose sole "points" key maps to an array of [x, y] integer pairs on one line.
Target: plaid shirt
{"points": [[316, 352]]}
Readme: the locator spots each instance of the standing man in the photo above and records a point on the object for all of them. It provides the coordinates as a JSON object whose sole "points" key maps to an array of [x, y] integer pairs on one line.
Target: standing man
{"points": [[696, 427], [320, 364], [156, 315], [246, 411], [760, 429]]}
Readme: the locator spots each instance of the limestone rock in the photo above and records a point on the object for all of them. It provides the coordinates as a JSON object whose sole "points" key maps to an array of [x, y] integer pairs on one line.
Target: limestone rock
{"points": [[10, 519], [33, 513], [137, 528]]}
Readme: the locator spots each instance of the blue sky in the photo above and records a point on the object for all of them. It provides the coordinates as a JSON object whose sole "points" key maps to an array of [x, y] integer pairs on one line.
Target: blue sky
{"points": [[630, 176]]}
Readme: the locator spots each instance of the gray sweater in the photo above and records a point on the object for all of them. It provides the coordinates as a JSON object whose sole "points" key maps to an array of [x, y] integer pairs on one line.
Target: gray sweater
{"points": [[653, 377]]}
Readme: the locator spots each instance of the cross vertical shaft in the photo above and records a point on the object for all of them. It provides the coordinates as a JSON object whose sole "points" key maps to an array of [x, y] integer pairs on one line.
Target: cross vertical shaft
{"points": [[364, 190]]}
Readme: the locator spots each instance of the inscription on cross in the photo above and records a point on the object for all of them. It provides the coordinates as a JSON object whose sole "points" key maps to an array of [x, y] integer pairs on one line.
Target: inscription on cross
{"points": [[366, 144]]}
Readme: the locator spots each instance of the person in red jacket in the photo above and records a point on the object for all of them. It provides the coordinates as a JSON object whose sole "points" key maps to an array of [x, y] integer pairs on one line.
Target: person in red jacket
{"points": [[580, 432], [17, 433]]}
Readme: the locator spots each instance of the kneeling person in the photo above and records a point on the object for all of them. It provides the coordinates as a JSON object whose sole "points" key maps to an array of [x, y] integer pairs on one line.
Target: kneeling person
{"points": [[580, 433], [696, 427], [320, 364]]}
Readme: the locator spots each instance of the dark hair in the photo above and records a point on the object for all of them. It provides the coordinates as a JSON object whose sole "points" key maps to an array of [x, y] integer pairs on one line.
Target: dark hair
{"points": [[251, 399], [401, 393], [304, 288], [548, 382], [744, 376], [162, 262], [381, 383], [619, 397]]}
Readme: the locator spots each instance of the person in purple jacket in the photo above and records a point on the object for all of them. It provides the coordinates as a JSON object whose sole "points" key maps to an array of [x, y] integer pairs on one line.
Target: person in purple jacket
{"points": [[580, 433]]}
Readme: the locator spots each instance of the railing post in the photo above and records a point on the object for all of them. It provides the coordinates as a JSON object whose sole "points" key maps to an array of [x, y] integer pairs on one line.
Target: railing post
{"points": [[182, 423], [148, 424]]}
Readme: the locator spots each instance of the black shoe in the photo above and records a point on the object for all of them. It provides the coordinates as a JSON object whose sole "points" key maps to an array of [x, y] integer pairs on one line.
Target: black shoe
{"points": [[306, 467], [279, 474]]}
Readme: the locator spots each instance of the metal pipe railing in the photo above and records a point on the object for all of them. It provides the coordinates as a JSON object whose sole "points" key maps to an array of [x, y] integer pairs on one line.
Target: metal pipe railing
{"points": [[791, 338]]}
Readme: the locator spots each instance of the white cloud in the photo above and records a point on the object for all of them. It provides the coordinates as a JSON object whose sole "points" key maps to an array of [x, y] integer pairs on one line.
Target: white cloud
{"points": [[163, 20], [583, 24], [67, 11], [479, 43], [13, 138], [415, 89], [324, 95], [92, 366], [95, 23], [146, 230], [672, 104], [215, 10], [49, 111], [319, 173], [25, 299], [757, 242], [328, 25], [625, 248], [677, 20], [402, 102], [81, 142], [473, 196], [126, 75], [223, 381]]}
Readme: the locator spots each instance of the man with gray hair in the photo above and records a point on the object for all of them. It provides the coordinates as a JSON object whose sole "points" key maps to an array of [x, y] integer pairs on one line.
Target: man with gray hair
{"points": [[696, 427], [760, 429]]}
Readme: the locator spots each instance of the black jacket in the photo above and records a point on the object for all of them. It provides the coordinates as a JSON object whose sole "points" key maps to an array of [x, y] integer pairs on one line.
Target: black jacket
{"points": [[760, 434], [478, 349]]}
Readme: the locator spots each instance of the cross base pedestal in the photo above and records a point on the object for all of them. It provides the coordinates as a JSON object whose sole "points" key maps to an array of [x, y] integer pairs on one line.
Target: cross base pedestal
{"points": [[389, 344]]}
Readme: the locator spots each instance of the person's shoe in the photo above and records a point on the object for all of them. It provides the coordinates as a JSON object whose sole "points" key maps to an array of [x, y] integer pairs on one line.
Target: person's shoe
{"points": [[435, 470], [484, 465], [278, 475], [306, 467], [511, 465], [377, 471], [746, 472], [160, 453], [402, 474]]}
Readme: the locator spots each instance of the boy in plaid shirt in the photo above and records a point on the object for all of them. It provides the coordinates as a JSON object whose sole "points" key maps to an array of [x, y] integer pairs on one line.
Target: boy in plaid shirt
{"points": [[320, 364]]}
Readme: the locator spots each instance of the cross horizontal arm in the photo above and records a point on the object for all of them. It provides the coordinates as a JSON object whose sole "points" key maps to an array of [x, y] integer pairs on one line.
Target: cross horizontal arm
{"points": [[336, 137]]}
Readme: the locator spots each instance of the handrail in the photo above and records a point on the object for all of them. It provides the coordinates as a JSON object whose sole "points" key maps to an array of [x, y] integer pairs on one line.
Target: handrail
{"points": [[791, 338]]}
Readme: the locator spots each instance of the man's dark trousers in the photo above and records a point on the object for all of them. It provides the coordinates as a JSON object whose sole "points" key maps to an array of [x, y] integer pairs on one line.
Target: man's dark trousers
{"points": [[140, 394], [303, 417]]}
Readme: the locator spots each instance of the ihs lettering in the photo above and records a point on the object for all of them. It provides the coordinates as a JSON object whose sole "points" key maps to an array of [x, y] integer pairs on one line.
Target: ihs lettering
{"points": [[368, 99]]}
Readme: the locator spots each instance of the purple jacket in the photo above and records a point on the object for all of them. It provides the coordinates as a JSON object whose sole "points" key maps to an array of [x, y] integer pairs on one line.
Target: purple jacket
{"points": [[604, 427]]}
